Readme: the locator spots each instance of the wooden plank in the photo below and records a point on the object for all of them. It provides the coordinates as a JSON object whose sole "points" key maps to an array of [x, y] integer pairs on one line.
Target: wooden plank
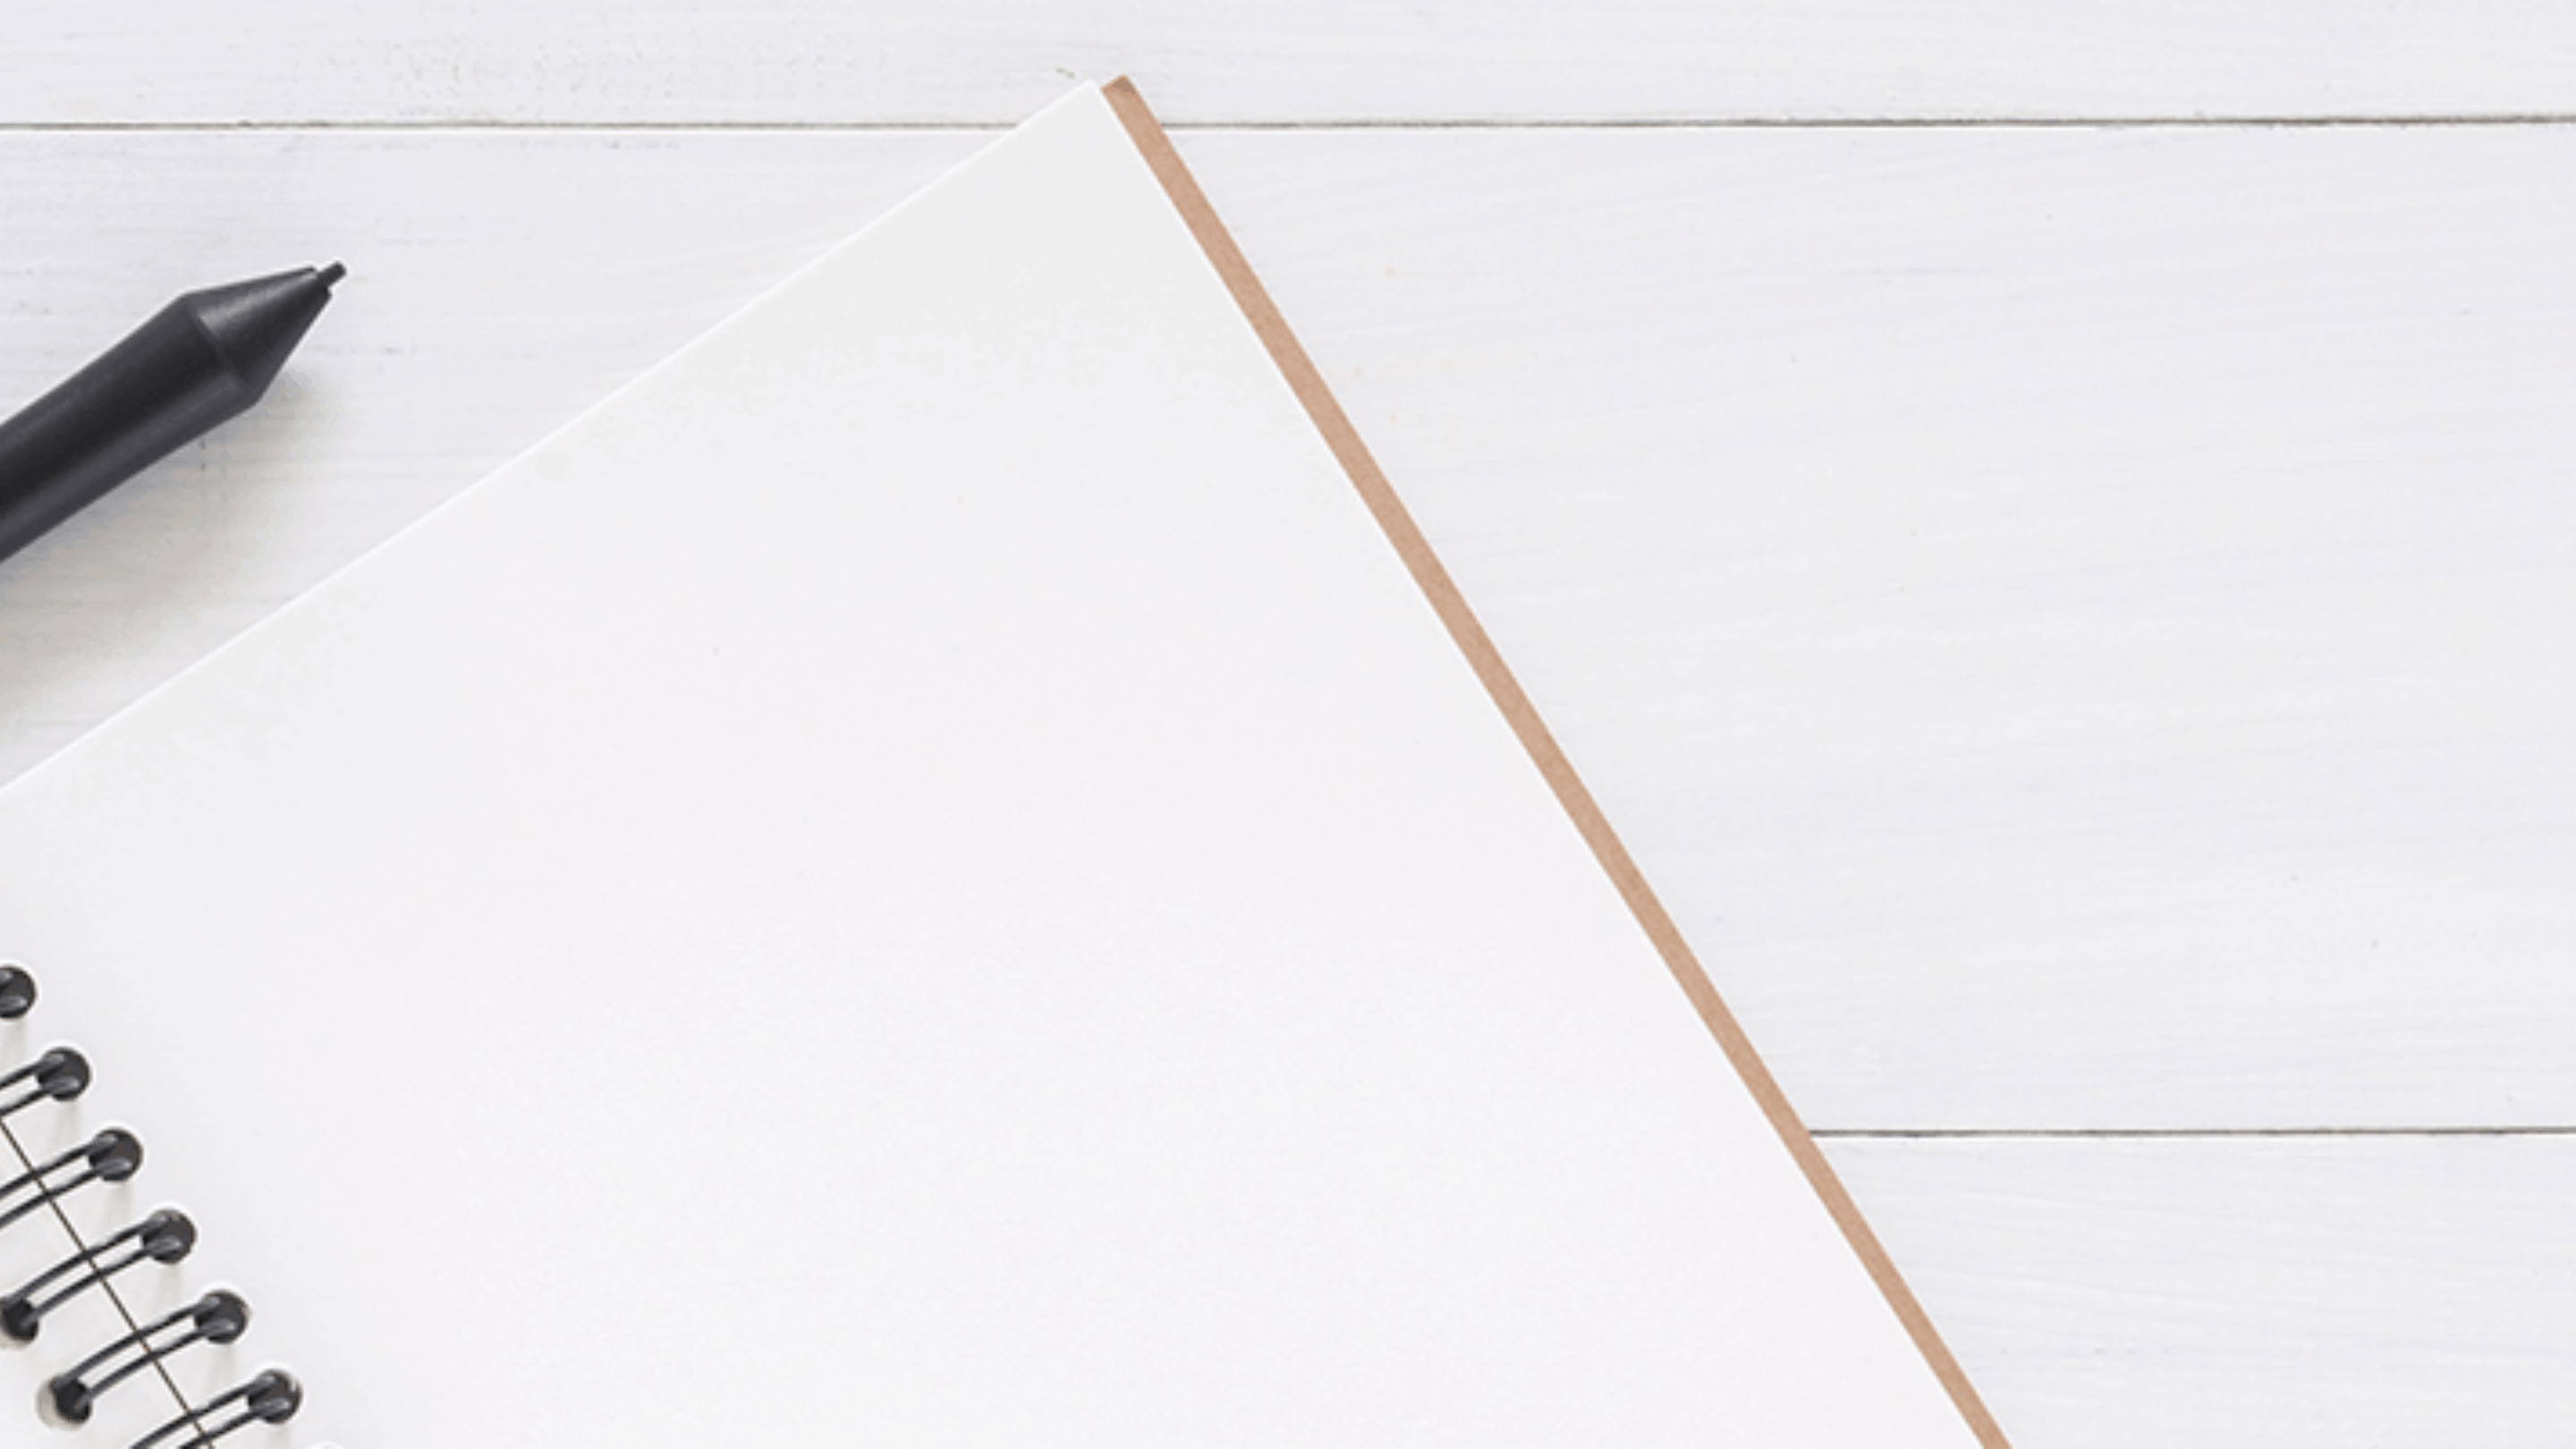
{"points": [[2077, 627], [2412, 1293], [987, 62], [2074, 624]]}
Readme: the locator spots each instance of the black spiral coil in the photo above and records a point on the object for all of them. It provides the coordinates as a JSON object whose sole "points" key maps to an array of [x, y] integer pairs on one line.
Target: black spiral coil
{"points": [[270, 1396], [111, 1156], [218, 1317], [161, 1237]]}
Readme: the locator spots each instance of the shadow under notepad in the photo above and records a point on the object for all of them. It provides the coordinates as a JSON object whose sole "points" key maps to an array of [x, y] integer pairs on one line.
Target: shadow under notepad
{"points": [[140, 564]]}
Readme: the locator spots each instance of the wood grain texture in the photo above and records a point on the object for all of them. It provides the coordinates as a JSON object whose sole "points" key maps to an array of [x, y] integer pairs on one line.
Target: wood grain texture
{"points": [[2246, 1295], [2075, 626], [796, 62]]}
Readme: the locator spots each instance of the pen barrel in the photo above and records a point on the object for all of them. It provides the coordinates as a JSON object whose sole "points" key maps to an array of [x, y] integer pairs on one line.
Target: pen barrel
{"points": [[164, 384]]}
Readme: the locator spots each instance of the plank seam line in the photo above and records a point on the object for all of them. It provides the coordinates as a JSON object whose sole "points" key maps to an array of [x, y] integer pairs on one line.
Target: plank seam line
{"points": [[2430, 121], [2168, 1133]]}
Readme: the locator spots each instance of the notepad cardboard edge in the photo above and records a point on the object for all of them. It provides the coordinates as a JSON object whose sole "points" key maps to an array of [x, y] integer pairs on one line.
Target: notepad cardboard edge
{"points": [[1306, 381]]}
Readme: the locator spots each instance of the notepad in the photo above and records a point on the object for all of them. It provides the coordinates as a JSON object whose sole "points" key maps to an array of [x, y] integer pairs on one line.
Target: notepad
{"points": [[925, 874]]}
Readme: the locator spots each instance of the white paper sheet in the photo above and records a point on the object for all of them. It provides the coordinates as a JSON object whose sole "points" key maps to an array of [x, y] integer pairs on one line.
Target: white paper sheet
{"points": [[922, 875]]}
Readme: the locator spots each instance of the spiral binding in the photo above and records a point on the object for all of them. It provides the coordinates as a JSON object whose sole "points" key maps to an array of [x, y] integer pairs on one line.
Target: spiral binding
{"points": [[111, 1156], [58, 1076], [270, 1396], [161, 1237], [218, 1317]]}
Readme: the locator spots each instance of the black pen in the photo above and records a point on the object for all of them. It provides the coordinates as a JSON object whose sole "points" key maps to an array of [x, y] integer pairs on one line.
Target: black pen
{"points": [[198, 361]]}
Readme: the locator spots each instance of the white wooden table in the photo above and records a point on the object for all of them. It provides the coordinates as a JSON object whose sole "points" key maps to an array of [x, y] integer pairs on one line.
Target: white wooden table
{"points": [[2047, 526]]}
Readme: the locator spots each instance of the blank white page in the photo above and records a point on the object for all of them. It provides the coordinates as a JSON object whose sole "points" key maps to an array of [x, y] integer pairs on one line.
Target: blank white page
{"points": [[922, 875]]}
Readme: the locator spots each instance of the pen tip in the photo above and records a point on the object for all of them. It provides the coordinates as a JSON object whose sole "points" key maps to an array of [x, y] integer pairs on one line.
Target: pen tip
{"points": [[333, 273]]}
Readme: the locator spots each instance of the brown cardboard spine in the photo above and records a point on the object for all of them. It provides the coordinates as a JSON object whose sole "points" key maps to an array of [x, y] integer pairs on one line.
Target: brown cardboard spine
{"points": [[1329, 419]]}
